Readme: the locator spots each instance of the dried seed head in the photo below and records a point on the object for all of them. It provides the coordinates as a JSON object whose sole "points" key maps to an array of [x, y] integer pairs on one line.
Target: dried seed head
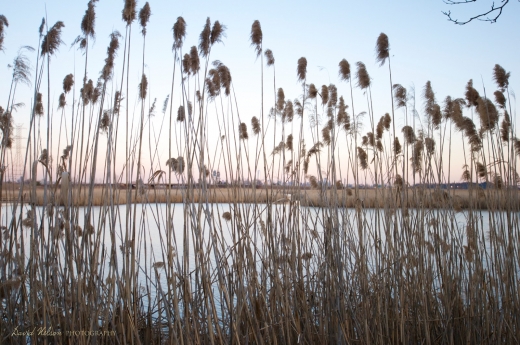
{"points": [[380, 128], [226, 216], [269, 57], [52, 40], [289, 143], [288, 112], [472, 95], [129, 11], [362, 76], [505, 127], [280, 100], [301, 70], [217, 32], [3, 24], [344, 70], [205, 39], [68, 82], [343, 119], [255, 125], [144, 16], [430, 145], [397, 146], [256, 37], [500, 99], [398, 181], [325, 134], [417, 155], [143, 86], [362, 158], [243, 131], [179, 32], [186, 64], [501, 77], [324, 94], [313, 181], [88, 21], [400, 96], [181, 114], [104, 122], [382, 49], [194, 60], [312, 92], [38, 110], [333, 95], [62, 102], [488, 113], [409, 135]]}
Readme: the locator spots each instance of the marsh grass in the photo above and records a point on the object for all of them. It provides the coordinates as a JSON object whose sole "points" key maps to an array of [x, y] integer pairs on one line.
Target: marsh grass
{"points": [[306, 262]]}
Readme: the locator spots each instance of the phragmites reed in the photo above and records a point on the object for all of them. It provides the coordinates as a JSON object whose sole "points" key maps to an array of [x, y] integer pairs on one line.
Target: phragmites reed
{"points": [[517, 146], [325, 134], [380, 128], [324, 94], [416, 159], [38, 110], [431, 108], [488, 113], [144, 16], [68, 82], [181, 114], [3, 24], [280, 100], [371, 139], [382, 49], [397, 146], [398, 181], [269, 57], [217, 32], [298, 108], [117, 102], [106, 73], [186, 64], [42, 26], [505, 127], [194, 60], [227, 216], [333, 95], [143, 87], [481, 170], [6, 126], [362, 75], [52, 40], [289, 143], [224, 75], [62, 103], [501, 77], [471, 94], [466, 175], [500, 99], [400, 96], [89, 20], [104, 122], [176, 165], [343, 118], [129, 11], [362, 158], [312, 92], [344, 70], [256, 37], [430, 145], [387, 120], [301, 70], [255, 125], [205, 38], [242, 128], [179, 32], [379, 145], [288, 112]]}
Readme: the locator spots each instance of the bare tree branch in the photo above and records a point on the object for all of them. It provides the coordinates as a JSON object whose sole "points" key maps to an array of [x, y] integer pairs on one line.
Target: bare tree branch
{"points": [[489, 16]]}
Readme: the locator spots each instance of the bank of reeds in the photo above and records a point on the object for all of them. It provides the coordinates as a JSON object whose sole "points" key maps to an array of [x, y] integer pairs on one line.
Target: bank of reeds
{"points": [[315, 260]]}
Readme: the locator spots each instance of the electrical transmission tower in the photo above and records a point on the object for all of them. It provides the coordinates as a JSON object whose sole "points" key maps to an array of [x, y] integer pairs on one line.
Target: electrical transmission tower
{"points": [[18, 153]]}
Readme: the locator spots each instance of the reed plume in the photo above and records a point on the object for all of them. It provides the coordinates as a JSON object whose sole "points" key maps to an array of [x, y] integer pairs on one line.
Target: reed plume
{"points": [[129, 11], [243, 131], [343, 119], [194, 65], [104, 122], [288, 112], [488, 113], [314, 182], [500, 99], [409, 135], [256, 37], [325, 134], [324, 94], [38, 110], [255, 125], [179, 32], [289, 142], [52, 40], [227, 216], [62, 102], [181, 114], [3, 24], [269, 57], [380, 128], [505, 127], [333, 95], [143, 87], [471, 94], [21, 67], [280, 100], [397, 146], [362, 158], [382, 49], [301, 70], [144, 17], [362, 76], [224, 75], [417, 155], [298, 108], [312, 91], [481, 170], [344, 70], [205, 39], [186, 64], [501, 77], [400, 96], [430, 145], [106, 73], [68, 82], [89, 20], [217, 32]]}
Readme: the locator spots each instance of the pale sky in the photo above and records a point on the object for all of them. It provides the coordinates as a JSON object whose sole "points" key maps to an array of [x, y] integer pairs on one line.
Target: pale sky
{"points": [[423, 46]]}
